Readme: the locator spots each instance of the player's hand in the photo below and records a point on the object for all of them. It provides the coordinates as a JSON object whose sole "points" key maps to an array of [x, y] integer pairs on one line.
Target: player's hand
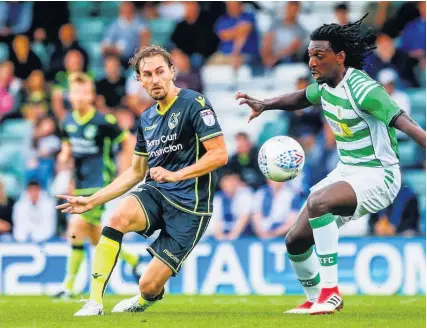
{"points": [[159, 174], [257, 106], [74, 204]]}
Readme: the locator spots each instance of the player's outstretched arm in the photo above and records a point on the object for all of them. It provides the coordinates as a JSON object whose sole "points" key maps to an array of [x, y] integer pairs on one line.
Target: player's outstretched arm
{"points": [[216, 156], [123, 183], [288, 102], [407, 125]]}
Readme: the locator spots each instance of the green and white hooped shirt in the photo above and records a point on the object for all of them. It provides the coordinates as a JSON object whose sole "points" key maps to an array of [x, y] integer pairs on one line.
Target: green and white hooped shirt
{"points": [[359, 112]]}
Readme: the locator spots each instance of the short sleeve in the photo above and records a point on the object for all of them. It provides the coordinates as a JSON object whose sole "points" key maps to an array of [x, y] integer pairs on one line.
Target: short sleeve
{"points": [[112, 129], [379, 104], [141, 146], [312, 92], [204, 119]]}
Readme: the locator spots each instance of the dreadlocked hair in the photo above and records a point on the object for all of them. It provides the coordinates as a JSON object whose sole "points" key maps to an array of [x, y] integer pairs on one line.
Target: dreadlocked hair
{"points": [[348, 38]]}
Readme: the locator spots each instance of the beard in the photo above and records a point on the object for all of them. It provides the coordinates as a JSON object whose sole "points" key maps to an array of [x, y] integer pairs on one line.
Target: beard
{"points": [[158, 96]]}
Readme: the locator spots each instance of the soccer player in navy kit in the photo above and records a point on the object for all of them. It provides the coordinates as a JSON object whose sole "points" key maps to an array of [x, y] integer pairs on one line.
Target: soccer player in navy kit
{"points": [[89, 138], [180, 144]]}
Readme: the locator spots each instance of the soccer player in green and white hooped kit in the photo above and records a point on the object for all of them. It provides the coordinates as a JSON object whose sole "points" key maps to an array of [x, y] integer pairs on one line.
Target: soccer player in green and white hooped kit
{"points": [[367, 179]]}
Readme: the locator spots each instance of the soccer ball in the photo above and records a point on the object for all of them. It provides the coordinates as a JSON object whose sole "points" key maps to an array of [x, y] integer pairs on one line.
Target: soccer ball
{"points": [[281, 158]]}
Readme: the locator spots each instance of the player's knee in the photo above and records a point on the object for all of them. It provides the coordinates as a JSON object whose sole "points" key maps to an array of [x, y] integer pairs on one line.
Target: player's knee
{"points": [[318, 204], [150, 289], [298, 244], [120, 221]]}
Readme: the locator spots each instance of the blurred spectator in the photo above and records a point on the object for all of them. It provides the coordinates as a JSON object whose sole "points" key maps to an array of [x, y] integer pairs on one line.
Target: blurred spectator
{"points": [[284, 41], [275, 208], [232, 204], [36, 86], [406, 12], [341, 13], [137, 99], [34, 215], [10, 90], [387, 56], [160, 28], [379, 12], [414, 35], [173, 10], [238, 36], [15, 18], [194, 36], [402, 217], [24, 59], [47, 17], [67, 37], [388, 78], [37, 97], [124, 35], [41, 48], [185, 76], [245, 161], [46, 145], [305, 124], [126, 120], [111, 89], [73, 64], [6, 206]]}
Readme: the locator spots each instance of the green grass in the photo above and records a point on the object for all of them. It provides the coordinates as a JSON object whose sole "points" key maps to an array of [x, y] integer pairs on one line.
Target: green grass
{"points": [[216, 311]]}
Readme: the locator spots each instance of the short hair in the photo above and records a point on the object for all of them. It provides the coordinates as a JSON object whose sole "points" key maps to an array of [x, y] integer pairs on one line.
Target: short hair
{"points": [[243, 135], [348, 38], [149, 51], [341, 6], [80, 78], [33, 183]]}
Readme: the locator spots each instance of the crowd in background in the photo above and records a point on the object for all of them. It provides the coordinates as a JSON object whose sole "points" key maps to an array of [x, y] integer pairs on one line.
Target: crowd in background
{"points": [[40, 48]]}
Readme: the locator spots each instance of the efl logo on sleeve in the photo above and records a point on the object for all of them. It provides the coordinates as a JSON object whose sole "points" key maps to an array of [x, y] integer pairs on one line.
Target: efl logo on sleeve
{"points": [[208, 117]]}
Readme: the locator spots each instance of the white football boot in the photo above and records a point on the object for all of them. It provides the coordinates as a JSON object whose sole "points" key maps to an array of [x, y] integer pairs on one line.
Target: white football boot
{"points": [[302, 309], [129, 305], [89, 309]]}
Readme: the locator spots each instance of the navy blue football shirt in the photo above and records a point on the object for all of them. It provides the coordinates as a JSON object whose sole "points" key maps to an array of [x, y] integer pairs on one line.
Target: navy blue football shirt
{"points": [[92, 138], [173, 139]]}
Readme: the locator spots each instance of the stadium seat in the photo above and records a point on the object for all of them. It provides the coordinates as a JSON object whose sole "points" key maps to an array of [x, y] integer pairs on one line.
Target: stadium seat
{"points": [[4, 52], [90, 29], [289, 73], [15, 130], [418, 100], [416, 179], [12, 184], [408, 153]]}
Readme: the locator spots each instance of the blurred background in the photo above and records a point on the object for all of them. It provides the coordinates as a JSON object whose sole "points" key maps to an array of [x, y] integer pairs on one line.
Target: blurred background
{"points": [[243, 251]]}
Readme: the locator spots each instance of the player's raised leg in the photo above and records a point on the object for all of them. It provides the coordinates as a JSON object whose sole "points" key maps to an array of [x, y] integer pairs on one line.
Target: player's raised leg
{"points": [[151, 285], [299, 244], [127, 217], [340, 199], [77, 232]]}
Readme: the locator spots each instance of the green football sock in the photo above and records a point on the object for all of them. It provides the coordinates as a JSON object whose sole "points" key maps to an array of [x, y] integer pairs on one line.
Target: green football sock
{"points": [[74, 261], [129, 258], [145, 303]]}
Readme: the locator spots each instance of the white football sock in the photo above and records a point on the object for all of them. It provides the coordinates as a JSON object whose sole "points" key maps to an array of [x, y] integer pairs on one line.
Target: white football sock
{"points": [[306, 267], [325, 232]]}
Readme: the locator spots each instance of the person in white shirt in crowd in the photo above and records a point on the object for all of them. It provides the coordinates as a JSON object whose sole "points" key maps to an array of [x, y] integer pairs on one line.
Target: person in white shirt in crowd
{"points": [[125, 34], [231, 217], [34, 215], [275, 207], [388, 78]]}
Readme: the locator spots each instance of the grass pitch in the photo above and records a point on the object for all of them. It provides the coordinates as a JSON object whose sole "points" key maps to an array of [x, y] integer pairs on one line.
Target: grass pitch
{"points": [[216, 311]]}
